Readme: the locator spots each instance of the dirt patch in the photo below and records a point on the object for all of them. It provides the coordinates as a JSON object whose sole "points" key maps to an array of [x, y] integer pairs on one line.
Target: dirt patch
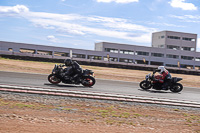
{"points": [[77, 116]]}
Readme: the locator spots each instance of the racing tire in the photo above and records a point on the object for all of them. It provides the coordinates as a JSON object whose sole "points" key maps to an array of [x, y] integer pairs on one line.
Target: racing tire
{"points": [[88, 81], [53, 79], [145, 86], [177, 87]]}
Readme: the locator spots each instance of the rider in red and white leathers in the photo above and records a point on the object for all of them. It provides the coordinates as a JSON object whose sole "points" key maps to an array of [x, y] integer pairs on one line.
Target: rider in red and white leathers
{"points": [[165, 77]]}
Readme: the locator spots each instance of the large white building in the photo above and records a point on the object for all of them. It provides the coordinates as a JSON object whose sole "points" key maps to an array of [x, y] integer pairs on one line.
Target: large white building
{"points": [[169, 48]]}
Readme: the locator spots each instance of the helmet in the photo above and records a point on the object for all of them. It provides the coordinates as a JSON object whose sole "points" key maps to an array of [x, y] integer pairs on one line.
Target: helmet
{"points": [[161, 68], [68, 62]]}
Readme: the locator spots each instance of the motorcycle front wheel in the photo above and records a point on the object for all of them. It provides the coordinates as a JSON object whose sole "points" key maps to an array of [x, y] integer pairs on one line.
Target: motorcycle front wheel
{"points": [[145, 85], [177, 87], [53, 79], [88, 81]]}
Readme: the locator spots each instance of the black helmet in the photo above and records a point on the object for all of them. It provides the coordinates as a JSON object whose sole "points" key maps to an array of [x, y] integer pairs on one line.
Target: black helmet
{"points": [[68, 62]]}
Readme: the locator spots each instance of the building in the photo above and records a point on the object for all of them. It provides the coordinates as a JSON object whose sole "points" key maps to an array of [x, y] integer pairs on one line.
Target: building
{"points": [[169, 48]]}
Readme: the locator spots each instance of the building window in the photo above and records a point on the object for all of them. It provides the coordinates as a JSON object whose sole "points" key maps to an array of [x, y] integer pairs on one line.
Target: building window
{"points": [[44, 52], [173, 47], [161, 37], [197, 59], [171, 65], [94, 57], [111, 59], [188, 49], [126, 60], [174, 37], [156, 63], [141, 53], [22, 50], [74, 55], [187, 58], [111, 50], [141, 62], [61, 54], [188, 39], [172, 56], [197, 67], [161, 46], [157, 54], [10, 49], [126, 52], [189, 67]]}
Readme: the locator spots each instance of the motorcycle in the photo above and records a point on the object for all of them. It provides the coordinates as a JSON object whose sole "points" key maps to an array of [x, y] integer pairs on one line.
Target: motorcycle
{"points": [[86, 79], [152, 81]]}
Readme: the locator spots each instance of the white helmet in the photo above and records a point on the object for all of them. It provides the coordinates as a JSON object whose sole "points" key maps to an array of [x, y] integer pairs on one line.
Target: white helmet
{"points": [[161, 68]]}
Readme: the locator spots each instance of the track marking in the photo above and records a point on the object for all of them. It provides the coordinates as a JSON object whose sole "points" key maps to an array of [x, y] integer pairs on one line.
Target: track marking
{"points": [[95, 95]]}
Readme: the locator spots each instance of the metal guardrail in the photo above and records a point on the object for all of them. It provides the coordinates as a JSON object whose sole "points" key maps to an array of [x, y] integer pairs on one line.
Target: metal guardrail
{"points": [[59, 59]]}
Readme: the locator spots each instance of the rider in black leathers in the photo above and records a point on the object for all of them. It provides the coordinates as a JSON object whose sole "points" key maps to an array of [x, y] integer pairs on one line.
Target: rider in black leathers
{"points": [[74, 69]]}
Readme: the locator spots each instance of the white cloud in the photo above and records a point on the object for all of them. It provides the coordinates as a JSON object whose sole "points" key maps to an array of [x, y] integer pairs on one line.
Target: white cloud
{"points": [[74, 24], [165, 24], [13, 9], [58, 17], [52, 38], [128, 27], [182, 4], [119, 24], [82, 30], [118, 1], [188, 18]]}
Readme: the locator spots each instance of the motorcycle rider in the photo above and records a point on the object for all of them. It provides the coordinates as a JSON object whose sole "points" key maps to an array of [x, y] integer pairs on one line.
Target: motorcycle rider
{"points": [[165, 77], [73, 69]]}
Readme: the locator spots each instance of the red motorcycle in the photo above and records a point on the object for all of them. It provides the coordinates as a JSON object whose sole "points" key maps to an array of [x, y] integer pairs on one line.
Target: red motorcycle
{"points": [[152, 81]]}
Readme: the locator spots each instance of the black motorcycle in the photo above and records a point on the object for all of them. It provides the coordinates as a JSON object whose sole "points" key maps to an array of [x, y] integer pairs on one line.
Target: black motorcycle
{"points": [[153, 82], [86, 79]]}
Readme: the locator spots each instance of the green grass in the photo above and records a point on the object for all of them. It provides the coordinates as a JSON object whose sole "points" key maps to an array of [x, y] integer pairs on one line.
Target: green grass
{"points": [[137, 115], [21, 105], [103, 111], [125, 115], [176, 109], [192, 120], [2, 103]]}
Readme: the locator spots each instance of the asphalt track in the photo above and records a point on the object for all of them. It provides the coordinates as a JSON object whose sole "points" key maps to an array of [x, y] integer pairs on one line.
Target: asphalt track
{"points": [[101, 86]]}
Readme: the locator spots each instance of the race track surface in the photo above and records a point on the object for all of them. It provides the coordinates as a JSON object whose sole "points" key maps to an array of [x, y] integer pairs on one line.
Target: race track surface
{"points": [[101, 86]]}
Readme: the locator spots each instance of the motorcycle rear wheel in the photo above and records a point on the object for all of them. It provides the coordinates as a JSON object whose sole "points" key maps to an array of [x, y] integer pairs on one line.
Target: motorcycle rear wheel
{"points": [[177, 87], [53, 79], [88, 81], [144, 85]]}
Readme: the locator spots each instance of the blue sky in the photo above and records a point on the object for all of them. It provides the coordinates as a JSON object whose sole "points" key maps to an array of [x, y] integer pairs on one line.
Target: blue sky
{"points": [[81, 23]]}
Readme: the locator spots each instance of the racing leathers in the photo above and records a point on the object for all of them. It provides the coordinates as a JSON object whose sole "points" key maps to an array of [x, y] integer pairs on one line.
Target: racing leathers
{"points": [[73, 72], [165, 78]]}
